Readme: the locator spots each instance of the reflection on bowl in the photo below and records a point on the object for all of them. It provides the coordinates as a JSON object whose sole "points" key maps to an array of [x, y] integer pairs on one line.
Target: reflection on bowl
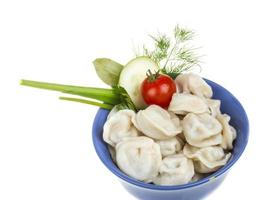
{"points": [[191, 191]]}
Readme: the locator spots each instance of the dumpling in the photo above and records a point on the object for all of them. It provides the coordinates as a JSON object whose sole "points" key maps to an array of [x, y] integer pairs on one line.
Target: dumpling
{"points": [[194, 84], [175, 170], [170, 146], [197, 177], [214, 106], [228, 132], [139, 157], [112, 152], [157, 123], [181, 137], [187, 103], [207, 159], [112, 112], [119, 126], [202, 130]]}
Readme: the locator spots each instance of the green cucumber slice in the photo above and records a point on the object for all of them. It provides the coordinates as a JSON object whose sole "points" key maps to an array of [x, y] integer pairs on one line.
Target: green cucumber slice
{"points": [[132, 76]]}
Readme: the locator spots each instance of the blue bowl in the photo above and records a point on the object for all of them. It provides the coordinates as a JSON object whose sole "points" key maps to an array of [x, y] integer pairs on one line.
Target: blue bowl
{"points": [[191, 191]]}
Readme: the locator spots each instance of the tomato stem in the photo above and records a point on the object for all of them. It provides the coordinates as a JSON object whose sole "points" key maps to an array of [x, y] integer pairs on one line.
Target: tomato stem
{"points": [[152, 76]]}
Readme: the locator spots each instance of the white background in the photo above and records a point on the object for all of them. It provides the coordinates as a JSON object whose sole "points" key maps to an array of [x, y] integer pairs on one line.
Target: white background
{"points": [[46, 150]]}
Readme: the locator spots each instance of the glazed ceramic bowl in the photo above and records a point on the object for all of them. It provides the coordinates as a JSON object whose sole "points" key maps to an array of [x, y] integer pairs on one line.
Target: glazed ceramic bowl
{"points": [[191, 191]]}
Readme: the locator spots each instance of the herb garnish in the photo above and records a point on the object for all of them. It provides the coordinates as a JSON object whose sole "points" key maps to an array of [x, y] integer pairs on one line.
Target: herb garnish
{"points": [[173, 54]]}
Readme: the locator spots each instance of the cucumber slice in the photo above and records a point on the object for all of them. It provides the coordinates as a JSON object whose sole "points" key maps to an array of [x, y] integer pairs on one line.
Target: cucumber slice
{"points": [[133, 75]]}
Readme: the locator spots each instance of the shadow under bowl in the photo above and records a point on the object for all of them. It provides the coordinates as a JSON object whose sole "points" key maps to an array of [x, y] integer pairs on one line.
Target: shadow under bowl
{"points": [[191, 191]]}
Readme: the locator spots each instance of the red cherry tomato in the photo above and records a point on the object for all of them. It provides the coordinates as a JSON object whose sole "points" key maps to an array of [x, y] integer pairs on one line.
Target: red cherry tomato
{"points": [[158, 89]]}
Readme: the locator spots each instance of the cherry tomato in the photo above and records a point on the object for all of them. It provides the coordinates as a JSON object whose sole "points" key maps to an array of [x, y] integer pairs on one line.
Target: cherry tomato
{"points": [[158, 89]]}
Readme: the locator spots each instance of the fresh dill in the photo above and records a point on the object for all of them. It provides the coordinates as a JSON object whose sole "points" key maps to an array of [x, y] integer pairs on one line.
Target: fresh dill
{"points": [[174, 54]]}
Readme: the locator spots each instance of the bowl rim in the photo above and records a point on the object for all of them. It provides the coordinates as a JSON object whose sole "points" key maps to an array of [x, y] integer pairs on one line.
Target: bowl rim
{"points": [[116, 171]]}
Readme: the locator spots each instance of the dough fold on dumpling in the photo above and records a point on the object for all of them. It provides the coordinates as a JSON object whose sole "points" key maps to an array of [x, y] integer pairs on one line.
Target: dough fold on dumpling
{"points": [[202, 130], [194, 84], [228, 132], [214, 106], [170, 146], [112, 152], [187, 103], [207, 159], [157, 123], [175, 170], [119, 126], [197, 177], [139, 157]]}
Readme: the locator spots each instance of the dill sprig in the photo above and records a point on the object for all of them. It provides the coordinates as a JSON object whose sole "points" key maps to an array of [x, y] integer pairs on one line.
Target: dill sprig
{"points": [[162, 44], [174, 54]]}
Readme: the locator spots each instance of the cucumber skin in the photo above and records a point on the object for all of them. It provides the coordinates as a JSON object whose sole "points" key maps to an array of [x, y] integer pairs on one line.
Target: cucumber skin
{"points": [[132, 82]]}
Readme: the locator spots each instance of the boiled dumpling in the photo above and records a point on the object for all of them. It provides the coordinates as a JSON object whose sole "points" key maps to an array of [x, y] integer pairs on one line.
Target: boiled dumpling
{"points": [[202, 130], [112, 112], [187, 103], [194, 84], [112, 152], [119, 126], [175, 170], [214, 106], [207, 159], [170, 146], [182, 138], [157, 123], [197, 177], [139, 157], [228, 132]]}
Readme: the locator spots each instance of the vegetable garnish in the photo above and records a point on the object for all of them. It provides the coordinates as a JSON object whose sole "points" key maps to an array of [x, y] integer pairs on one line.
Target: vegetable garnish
{"points": [[174, 54], [110, 97], [133, 75], [108, 70], [169, 57], [158, 89]]}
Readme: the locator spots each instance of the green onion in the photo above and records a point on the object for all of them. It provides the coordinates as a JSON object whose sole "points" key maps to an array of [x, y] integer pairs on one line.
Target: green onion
{"points": [[109, 96], [94, 103]]}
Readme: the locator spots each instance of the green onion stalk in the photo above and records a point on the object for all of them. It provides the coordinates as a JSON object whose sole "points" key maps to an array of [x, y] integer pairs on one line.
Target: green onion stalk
{"points": [[106, 98]]}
